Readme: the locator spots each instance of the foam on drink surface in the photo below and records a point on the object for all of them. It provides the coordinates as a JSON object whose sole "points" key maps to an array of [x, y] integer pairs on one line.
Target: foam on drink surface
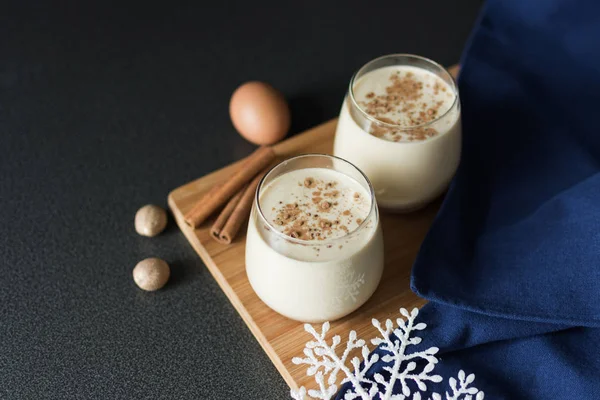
{"points": [[405, 96], [315, 204]]}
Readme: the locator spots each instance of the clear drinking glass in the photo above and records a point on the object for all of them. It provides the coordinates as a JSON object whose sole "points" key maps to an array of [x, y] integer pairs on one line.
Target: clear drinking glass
{"points": [[313, 280], [409, 152]]}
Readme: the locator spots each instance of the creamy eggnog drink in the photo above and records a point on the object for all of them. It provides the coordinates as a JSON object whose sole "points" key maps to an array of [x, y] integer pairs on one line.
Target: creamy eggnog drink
{"points": [[400, 124], [314, 249]]}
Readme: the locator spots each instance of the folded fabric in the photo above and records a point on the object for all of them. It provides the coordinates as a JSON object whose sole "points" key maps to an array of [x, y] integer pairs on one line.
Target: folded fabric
{"points": [[519, 232], [511, 265]]}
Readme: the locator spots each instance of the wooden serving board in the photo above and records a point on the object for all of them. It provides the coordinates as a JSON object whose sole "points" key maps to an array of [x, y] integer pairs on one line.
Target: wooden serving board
{"points": [[282, 338]]}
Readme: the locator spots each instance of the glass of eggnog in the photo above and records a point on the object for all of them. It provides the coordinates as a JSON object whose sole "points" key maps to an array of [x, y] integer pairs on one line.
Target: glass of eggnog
{"points": [[400, 124], [314, 249]]}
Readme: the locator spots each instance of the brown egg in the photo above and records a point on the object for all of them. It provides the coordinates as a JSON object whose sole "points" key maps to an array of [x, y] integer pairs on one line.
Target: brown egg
{"points": [[259, 113]]}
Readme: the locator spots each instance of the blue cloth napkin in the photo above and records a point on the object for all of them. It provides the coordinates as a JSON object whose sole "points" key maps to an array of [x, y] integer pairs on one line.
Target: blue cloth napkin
{"points": [[511, 265]]}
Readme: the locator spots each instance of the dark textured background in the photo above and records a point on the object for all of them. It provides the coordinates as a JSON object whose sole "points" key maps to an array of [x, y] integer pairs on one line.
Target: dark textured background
{"points": [[106, 107]]}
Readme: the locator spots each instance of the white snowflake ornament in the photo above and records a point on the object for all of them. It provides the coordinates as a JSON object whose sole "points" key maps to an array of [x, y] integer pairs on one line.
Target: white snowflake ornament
{"points": [[325, 364]]}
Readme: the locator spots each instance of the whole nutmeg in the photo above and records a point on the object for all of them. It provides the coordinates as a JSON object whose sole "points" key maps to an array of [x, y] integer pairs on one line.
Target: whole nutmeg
{"points": [[150, 220], [151, 274]]}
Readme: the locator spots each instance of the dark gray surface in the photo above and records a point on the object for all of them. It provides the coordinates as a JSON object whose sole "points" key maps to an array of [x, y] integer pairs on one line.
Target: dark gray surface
{"points": [[106, 107]]}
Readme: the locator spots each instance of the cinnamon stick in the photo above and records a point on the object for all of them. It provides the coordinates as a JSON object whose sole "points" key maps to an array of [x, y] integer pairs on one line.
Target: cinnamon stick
{"points": [[256, 162], [241, 212], [215, 230]]}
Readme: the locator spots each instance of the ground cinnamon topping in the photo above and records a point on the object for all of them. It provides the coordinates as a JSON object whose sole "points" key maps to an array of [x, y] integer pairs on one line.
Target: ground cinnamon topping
{"points": [[403, 104], [299, 220], [325, 205]]}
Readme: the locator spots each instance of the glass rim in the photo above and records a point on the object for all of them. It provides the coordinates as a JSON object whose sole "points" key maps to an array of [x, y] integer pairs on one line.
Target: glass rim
{"points": [[359, 228], [454, 87]]}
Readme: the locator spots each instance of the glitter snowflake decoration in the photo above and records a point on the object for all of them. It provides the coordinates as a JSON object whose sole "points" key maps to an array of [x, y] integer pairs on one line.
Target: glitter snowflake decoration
{"points": [[325, 364]]}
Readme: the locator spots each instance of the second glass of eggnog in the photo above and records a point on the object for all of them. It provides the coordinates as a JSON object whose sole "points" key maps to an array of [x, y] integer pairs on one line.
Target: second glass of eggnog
{"points": [[314, 249], [400, 124]]}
